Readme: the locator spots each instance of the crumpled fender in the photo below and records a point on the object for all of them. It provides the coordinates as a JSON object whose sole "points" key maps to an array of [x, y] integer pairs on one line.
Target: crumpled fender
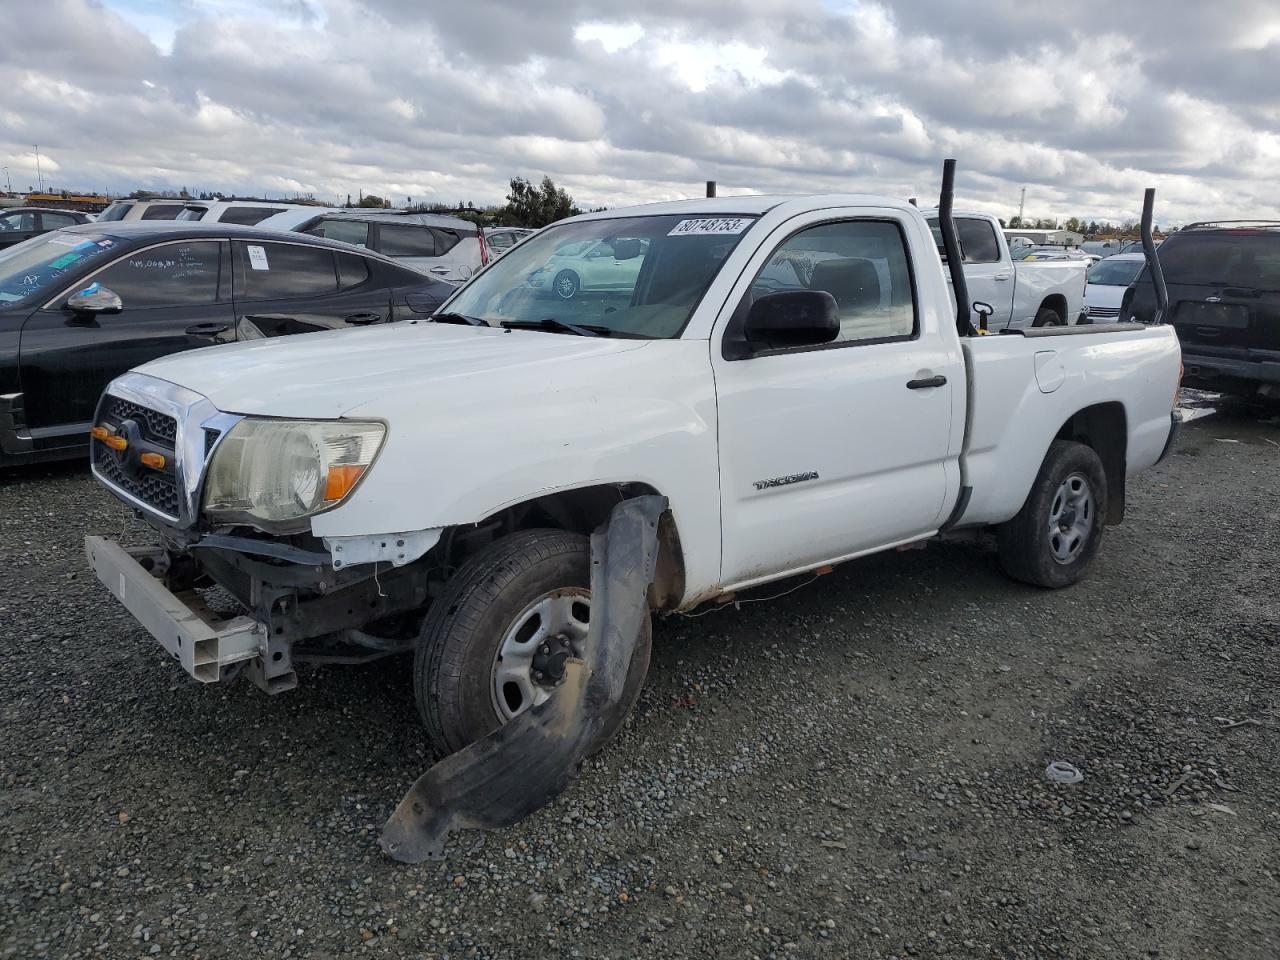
{"points": [[524, 764]]}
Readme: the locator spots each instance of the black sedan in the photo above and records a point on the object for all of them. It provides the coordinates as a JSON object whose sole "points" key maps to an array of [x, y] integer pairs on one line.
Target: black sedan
{"points": [[22, 223], [80, 306]]}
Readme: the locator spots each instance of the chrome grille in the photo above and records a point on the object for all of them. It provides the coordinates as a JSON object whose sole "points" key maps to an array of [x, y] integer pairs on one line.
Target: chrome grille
{"points": [[149, 430], [160, 417], [1104, 311], [156, 425], [157, 490]]}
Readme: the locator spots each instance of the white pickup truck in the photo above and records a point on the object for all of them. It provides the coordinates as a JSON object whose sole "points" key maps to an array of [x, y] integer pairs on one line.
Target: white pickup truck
{"points": [[1022, 293], [788, 373]]}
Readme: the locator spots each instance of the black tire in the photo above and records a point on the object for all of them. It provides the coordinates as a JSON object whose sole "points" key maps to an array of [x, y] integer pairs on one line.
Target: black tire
{"points": [[464, 629], [1048, 317], [1028, 549], [566, 285]]}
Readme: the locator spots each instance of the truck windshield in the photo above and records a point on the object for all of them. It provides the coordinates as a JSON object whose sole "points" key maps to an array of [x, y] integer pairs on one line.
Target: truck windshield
{"points": [[1115, 273], [35, 266], [625, 276]]}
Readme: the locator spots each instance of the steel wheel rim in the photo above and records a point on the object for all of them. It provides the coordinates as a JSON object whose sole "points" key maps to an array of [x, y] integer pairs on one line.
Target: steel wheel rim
{"points": [[557, 620], [1071, 518]]}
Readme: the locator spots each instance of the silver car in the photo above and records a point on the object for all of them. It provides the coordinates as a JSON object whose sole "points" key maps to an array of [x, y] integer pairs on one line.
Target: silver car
{"points": [[446, 248]]}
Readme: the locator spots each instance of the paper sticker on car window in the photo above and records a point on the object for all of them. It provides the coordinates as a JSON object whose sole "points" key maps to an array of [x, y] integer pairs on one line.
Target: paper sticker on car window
{"points": [[257, 258], [715, 225]]}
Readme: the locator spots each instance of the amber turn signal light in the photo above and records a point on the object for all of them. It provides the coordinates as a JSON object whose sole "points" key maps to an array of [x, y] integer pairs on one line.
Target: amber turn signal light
{"points": [[341, 481], [153, 460], [114, 441]]}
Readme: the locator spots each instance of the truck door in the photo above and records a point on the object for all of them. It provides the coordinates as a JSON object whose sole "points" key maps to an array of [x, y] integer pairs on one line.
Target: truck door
{"points": [[830, 451], [989, 275]]}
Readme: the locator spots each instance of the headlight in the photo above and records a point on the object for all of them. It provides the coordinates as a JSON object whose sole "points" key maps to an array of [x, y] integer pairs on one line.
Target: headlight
{"points": [[278, 471]]}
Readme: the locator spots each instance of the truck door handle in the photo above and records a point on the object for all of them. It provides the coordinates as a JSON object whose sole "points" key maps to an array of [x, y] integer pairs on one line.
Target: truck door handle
{"points": [[207, 329], [359, 319], [1000, 276], [927, 382]]}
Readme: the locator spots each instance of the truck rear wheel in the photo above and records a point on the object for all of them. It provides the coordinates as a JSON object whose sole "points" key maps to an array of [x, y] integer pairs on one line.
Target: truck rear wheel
{"points": [[1053, 538], [1048, 317], [494, 644]]}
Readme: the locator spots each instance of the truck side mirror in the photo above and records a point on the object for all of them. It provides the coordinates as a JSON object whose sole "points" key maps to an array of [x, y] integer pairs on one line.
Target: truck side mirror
{"points": [[792, 318], [95, 298]]}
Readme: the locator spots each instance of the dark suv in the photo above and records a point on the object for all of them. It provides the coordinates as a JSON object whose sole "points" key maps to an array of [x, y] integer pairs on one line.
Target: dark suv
{"points": [[1224, 301]]}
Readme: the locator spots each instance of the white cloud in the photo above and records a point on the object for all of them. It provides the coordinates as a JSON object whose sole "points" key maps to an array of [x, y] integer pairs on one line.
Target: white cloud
{"points": [[1083, 103], [611, 36]]}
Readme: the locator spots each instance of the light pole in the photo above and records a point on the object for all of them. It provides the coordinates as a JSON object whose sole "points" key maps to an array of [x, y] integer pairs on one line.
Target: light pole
{"points": [[39, 175], [8, 187]]}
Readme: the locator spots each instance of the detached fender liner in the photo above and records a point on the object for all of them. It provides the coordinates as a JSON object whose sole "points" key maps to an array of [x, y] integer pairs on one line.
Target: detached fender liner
{"points": [[529, 761]]}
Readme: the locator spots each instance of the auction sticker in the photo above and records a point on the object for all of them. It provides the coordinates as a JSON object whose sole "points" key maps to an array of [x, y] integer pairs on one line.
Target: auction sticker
{"points": [[257, 258], [716, 225]]}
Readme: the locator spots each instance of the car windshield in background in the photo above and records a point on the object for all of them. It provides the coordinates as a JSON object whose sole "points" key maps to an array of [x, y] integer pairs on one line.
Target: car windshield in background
{"points": [[628, 277], [1115, 273], [36, 266], [1232, 258]]}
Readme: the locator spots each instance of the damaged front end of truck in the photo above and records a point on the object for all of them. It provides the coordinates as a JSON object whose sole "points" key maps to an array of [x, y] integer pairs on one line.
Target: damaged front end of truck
{"points": [[233, 587]]}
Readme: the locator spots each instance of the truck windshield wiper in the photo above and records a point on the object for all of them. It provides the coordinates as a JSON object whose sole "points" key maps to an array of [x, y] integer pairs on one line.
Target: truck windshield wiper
{"points": [[551, 323], [458, 318]]}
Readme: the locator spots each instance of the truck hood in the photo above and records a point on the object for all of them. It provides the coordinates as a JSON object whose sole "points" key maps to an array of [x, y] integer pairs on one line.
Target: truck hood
{"points": [[325, 375]]}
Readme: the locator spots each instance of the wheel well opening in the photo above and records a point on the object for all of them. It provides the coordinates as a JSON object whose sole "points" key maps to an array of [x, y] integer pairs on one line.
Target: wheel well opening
{"points": [[1104, 428], [1057, 303], [581, 510]]}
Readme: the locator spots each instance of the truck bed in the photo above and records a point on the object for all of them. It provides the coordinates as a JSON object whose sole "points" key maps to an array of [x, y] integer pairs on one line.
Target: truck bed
{"points": [[1026, 385]]}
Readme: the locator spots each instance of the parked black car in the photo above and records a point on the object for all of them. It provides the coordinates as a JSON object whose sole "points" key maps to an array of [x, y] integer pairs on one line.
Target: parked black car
{"points": [[1224, 301], [22, 223], [80, 306]]}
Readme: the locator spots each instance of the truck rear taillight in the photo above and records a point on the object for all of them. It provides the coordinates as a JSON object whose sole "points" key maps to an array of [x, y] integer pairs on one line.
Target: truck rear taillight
{"points": [[484, 250]]}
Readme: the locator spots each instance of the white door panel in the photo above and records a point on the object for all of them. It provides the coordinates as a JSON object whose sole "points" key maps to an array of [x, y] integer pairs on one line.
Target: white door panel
{"points": [[825, 452], [875, 449]]}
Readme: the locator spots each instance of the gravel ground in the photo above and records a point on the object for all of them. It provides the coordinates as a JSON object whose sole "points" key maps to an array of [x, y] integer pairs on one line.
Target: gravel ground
{"points": [[856, 769]]}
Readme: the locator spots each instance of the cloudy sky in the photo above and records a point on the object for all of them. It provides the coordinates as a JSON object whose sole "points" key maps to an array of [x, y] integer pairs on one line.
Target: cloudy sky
{"points": [[1083, 102]]}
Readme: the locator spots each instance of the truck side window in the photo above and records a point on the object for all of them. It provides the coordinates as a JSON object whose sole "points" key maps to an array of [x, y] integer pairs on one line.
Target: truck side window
{"points": [[862, 263], [978, 240]]}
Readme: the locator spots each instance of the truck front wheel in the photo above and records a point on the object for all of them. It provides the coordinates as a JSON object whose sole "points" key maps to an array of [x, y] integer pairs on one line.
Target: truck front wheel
{"points": [[495, 643], [1053, 538]]}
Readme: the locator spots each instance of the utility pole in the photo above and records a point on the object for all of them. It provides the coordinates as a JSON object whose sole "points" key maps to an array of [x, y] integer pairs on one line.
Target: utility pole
{"points": [[8, 187], [39, 175], [1021, 204]]}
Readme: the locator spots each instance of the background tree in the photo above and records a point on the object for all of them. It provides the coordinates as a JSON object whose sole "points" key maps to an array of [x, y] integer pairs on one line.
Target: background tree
{"points": [[530, 206], [372, 200]]}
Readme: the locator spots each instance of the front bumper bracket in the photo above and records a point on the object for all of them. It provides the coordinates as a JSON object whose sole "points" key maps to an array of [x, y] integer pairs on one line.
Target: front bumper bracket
{"points": [[192, 634]]}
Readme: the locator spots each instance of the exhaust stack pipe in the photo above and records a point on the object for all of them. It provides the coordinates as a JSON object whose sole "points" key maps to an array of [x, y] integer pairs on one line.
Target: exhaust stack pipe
{"points": [[1153, 262], [951, 244]]}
